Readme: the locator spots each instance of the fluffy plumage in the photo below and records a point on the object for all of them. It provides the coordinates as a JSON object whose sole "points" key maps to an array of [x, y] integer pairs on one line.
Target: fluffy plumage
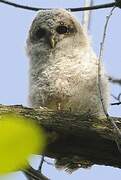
{"points": [[63, 66]]}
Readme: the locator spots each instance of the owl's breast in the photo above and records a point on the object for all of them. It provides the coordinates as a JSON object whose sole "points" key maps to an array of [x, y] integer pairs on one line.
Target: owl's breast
{"points": [[71, 86], [68, 84]]}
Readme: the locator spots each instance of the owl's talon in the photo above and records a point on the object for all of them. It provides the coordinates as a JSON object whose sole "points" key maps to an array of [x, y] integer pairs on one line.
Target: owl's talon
{"points": [[43, 108], [59, 108]]}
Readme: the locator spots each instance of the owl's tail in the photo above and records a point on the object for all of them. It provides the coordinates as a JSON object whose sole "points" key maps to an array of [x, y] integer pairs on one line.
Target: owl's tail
{"points": [[71, 164]]}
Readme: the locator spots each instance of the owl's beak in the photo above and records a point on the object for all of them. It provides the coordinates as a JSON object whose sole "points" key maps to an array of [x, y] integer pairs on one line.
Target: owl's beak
{"points": [[52, 41]]}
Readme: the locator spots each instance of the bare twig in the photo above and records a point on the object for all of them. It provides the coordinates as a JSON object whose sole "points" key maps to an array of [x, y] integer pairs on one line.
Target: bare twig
{"points": [[99, 82], [41, 163], [118, 98], [117, 3], [49, 163], [33, 174], [101, 58], [113, 104], [115, 80]]}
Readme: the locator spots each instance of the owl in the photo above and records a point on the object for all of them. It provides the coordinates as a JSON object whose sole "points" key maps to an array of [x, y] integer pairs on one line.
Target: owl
{"points": [[63, 71], [63, 67]]}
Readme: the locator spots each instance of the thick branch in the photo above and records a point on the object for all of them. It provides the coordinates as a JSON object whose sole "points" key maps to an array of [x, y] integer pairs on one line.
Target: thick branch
{"points": [[90, 138]]}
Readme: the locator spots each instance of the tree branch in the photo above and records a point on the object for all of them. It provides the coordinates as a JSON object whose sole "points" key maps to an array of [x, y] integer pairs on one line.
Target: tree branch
{"points": [[117, 103], [81, 135], [115, 80], [117, 3], [33, 174]]}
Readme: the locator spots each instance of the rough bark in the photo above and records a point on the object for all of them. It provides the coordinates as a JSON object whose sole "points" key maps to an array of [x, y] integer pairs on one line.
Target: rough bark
{"points": [[79, 135]]}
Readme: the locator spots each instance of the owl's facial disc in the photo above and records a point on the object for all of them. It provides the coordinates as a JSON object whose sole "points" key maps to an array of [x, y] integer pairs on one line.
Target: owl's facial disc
{"points": [[54, 36], [50, 35], [42, 34]]}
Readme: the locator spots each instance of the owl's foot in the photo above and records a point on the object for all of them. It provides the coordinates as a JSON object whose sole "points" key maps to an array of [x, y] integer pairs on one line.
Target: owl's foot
{"points": [[43, 108], [70, 109], [59, 107]]}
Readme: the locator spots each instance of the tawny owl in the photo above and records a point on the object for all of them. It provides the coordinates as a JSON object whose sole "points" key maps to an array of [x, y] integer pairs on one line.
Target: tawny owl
{"points": [[63, 67]]}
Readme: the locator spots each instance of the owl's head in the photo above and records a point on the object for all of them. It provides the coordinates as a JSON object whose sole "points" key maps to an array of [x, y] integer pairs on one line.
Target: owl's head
{"points": [[52, 29]]}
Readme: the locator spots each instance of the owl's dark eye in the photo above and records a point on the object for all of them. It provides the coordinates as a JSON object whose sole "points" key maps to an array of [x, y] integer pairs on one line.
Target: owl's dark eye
{"points": [[38, 34], [62, 29]]}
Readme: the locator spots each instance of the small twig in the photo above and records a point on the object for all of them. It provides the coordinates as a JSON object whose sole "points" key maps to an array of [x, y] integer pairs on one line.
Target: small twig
{"points": [[117, 3], [41, 163], [100, 60], [49, 163], [99, 81], [116, 98], [34, 174], [114, 80], [113, 104]]}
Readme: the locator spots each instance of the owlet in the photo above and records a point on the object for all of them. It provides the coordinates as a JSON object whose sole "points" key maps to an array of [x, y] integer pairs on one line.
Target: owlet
{"points": [[63, 67]]}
